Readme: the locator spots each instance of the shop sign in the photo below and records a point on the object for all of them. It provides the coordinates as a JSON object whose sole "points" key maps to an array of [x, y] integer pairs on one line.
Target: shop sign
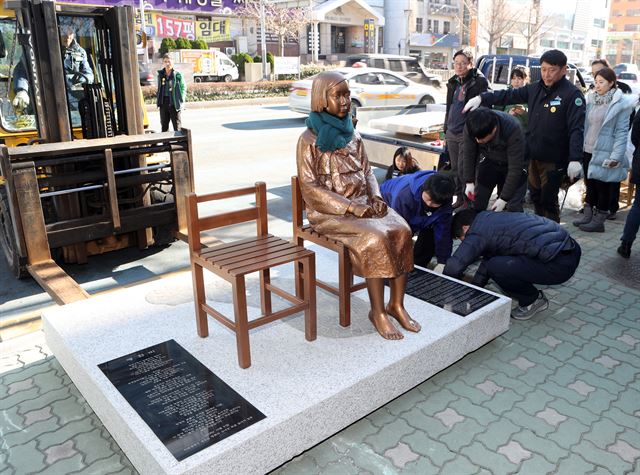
{"points": [[218, 7], [213, 30], [174, 27]]}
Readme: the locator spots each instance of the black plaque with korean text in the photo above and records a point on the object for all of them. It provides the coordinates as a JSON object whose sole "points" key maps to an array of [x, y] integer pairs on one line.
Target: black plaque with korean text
{"points": [[186, 405], [447, 294]]}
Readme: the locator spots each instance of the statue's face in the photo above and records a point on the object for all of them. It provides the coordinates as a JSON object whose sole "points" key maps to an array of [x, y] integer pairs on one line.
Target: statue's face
{"points": [[339, 100]]}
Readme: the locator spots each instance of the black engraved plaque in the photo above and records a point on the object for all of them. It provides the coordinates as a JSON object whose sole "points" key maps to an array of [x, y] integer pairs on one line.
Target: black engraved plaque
{"points": [[186, 405], [447, 294]]}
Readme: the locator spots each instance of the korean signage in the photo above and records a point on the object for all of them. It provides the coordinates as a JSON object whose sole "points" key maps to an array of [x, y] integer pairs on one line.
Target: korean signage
{"points": [[218, 7], [369, 36], [174, 27], [212, 30]]}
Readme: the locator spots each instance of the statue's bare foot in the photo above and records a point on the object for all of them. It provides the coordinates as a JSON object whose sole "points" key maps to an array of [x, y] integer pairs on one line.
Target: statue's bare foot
{"points": [[384, 326], [400, 314]]}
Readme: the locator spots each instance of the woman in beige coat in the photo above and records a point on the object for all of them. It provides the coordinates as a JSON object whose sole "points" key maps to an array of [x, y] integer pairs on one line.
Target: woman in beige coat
{"points": [[343, 202]]}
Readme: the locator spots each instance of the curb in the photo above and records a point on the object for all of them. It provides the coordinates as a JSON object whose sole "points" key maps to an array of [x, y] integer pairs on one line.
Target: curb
{"points": [[253, 101]]}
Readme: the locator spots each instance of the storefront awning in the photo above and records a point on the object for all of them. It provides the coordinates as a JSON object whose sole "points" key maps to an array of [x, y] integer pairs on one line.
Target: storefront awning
{"points": [[323, 13]]}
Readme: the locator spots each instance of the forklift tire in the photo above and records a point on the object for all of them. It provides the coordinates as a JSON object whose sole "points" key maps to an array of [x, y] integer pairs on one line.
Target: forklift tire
{"points": [[165, 234], [228, 78], [197, 79], [17, 263]]}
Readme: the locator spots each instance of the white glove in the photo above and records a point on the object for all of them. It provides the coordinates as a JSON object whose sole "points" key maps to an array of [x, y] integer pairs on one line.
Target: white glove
{"points": [[499, 205], [473, 104], [438, 268], [469, 191], [574, 170], [21, 101]]}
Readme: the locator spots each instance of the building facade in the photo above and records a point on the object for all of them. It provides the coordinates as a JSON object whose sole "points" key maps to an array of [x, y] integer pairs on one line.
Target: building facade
{"points": [[623, 39]]}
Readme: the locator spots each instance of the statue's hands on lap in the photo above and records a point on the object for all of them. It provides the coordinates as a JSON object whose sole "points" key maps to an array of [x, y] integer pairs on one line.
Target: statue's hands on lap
{"points": [[379, 206], [360, 210]]}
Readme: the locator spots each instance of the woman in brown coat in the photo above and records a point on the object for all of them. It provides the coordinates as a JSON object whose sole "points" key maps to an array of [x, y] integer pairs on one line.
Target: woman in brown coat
{"points": [[343, 202]]}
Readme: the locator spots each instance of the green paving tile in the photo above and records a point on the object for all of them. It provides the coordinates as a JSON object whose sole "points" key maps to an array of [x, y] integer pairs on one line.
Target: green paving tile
{"points": [[418, 419], [601, 471], [540, 445], [535, 424], [26, 458], [603, 433], [421, 443], [564, 351], [568, 433], [422, 466], [93, 446], [65, 433], [588, 365], [111, 465], [329, 451], [457, 466], [630, 357], [467, 408], [477, 375], [389, 435], [534, 402], [344, 466], [624, 373], [461, 434], [21, 396], [622, 418], [357, 431], [25, 372], [381, 417], [405, 402], [70, 409], [598, 401], [602, 382], [34, 431], [437, 401], [447, 376], [600, 457], [536, 465], [496, 463], [366, 459], [44, 399], [301, 464], [546, 360], [588, 331], [503, 401], [573, 411], [631, 436], [468, 392], [566, 393], [498, 434], [11, 421], [523, 384]]}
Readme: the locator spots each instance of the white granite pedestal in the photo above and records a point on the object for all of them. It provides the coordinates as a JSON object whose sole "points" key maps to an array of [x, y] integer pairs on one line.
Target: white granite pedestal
{"points": [[307, 390]]}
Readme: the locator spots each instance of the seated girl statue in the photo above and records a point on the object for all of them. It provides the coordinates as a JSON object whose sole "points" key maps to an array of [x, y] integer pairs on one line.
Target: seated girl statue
{"points": [[343, 202]]}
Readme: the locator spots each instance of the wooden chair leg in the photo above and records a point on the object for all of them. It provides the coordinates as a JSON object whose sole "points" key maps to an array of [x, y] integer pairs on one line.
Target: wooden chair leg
{"points": [[265, 294], [242, 324], [344, 287], [298, 268], [199, 298], [310, 320]]}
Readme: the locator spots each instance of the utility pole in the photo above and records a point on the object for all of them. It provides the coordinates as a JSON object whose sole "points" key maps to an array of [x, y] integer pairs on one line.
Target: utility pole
{"points": [[263, 41], [143, 27]]}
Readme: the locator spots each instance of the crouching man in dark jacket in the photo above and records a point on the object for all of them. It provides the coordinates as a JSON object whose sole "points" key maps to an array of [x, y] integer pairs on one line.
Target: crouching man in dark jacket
{"points": [[518, 250], [424, 199], [494, 156]]}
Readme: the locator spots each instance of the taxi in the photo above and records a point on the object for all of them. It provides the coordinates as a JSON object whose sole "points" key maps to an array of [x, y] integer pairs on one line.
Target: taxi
{"points": [[370, 87]]}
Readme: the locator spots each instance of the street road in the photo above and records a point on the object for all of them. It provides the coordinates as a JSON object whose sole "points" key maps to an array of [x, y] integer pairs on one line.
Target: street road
{"points": [[233, 147]]}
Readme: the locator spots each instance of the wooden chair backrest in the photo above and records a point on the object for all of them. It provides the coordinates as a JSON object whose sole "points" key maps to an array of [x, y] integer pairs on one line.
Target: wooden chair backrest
{"points": [[196, 224], [297, 203]]}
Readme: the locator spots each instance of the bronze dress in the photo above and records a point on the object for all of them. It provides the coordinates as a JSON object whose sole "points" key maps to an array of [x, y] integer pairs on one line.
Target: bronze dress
{"points": [[379, 247]]}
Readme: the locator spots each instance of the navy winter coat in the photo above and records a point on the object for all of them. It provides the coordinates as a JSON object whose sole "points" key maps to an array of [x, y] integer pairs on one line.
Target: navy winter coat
{"points": [[404, 195], [508, 234]]}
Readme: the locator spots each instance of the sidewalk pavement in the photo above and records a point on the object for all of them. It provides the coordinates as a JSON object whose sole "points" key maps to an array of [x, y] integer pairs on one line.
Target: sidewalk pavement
{"points": [[250, 101], [557, 394]]}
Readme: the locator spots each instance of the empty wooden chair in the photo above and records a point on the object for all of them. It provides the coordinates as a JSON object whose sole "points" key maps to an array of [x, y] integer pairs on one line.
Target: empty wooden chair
{"points": [[234, 260], [301, 233]]}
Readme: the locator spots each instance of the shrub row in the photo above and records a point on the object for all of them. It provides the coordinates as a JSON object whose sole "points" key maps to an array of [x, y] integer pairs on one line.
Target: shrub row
{"points": [[234, 90]]}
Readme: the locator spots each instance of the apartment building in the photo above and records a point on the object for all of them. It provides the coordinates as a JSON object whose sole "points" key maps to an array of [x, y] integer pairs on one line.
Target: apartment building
{"points": [[623, 38]]}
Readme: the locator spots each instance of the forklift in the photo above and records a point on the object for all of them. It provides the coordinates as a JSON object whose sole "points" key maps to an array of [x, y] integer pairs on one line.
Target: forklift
{"points": [[75, 174]]}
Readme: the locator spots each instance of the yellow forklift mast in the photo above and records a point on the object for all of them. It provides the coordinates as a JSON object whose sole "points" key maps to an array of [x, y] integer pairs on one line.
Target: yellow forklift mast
{"points": [[69, 90]]}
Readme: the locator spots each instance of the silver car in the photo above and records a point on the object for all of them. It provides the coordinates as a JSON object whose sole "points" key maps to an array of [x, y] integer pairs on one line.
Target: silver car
{"points": [[370, 87]]}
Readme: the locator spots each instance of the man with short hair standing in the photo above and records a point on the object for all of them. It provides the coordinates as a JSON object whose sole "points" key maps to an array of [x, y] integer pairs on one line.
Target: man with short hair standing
{"points": [[467, 83], [171, 95], [555, 135]]}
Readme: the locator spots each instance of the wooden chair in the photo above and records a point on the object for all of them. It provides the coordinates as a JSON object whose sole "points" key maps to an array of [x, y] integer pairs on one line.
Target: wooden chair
{"points": [[301, 233], [233, 261]]}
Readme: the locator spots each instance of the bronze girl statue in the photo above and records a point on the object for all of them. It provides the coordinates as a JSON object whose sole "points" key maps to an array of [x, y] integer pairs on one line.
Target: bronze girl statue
{"points": [[343, 202]]}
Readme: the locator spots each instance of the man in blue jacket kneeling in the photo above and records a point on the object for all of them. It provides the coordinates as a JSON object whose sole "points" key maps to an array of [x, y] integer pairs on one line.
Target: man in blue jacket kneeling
{"points": [[518, 250], [424, 200]]}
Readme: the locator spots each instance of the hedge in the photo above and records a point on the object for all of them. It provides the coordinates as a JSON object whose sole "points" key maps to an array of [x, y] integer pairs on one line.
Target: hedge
{"points": [[211, 91]]}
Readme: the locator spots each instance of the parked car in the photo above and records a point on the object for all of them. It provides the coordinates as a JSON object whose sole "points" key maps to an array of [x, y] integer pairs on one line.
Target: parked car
{"points": [[370, 87], [407, 66], [146, 77], [632, 80], [626, 68]]}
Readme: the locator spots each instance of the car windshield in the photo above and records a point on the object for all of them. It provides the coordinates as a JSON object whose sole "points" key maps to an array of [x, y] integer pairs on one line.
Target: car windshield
{"points": [[627, 76]]}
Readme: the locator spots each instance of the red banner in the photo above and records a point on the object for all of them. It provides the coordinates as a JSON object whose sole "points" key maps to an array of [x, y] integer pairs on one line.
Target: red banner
{"points": [[171, 27]]}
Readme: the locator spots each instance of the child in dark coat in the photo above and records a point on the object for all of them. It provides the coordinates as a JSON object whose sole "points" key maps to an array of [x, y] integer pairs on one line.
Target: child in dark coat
{"points": [[403, 164]]}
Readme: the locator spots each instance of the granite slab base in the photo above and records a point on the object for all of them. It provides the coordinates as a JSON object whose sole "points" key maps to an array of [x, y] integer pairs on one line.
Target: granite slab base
{"points": [[307, 390]]}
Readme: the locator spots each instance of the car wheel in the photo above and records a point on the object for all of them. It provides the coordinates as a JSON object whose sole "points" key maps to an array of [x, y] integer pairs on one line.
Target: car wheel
{"points": [[197, 79], [354, 106], [228, 78], [427, 100]]}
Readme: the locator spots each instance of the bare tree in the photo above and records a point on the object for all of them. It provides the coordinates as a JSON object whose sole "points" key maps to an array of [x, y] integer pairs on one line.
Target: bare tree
{"points": [[536, 25], [283, 22], [498, 18]]}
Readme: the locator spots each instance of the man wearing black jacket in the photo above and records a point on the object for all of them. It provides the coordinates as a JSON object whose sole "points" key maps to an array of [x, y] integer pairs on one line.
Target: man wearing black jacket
{"points": [[467, 83], [555, 136], [494, 156], [518, 250]]}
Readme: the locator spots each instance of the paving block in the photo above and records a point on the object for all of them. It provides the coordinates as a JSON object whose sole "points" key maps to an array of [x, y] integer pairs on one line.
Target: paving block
{"points": [[625, 451], [422, 466], [598, 401], [622, 353], [301, 464], [33, 432], [25, 458], [622, 418], [625, 373], [438, 401], [503, 401], [492, 461], [389, 436], [64, 433], [459, 465], [418, 419], [358, 431], [540, 445], [497, 434], [422, 443], [534, 402], [474, 393], [536, 465], [344, 466], [568, 433], [514, 452], [400, 455], [468, 409], [524, 420], [381, 417], [93, 446], [405, 402], [60, 452], [565, 393], [551, 416], [331, 450], [601, 457], [461, 434], [366, 460], [114, 464], [589, 365], [522, 384]]}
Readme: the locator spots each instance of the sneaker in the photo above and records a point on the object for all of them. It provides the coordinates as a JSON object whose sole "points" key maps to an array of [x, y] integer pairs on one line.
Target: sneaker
{"points": [[612, 216], [525, 313]]}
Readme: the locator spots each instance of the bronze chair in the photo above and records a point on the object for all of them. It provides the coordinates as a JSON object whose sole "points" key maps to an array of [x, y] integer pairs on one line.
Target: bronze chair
{"points": [[234, 260], [301, 233]]}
